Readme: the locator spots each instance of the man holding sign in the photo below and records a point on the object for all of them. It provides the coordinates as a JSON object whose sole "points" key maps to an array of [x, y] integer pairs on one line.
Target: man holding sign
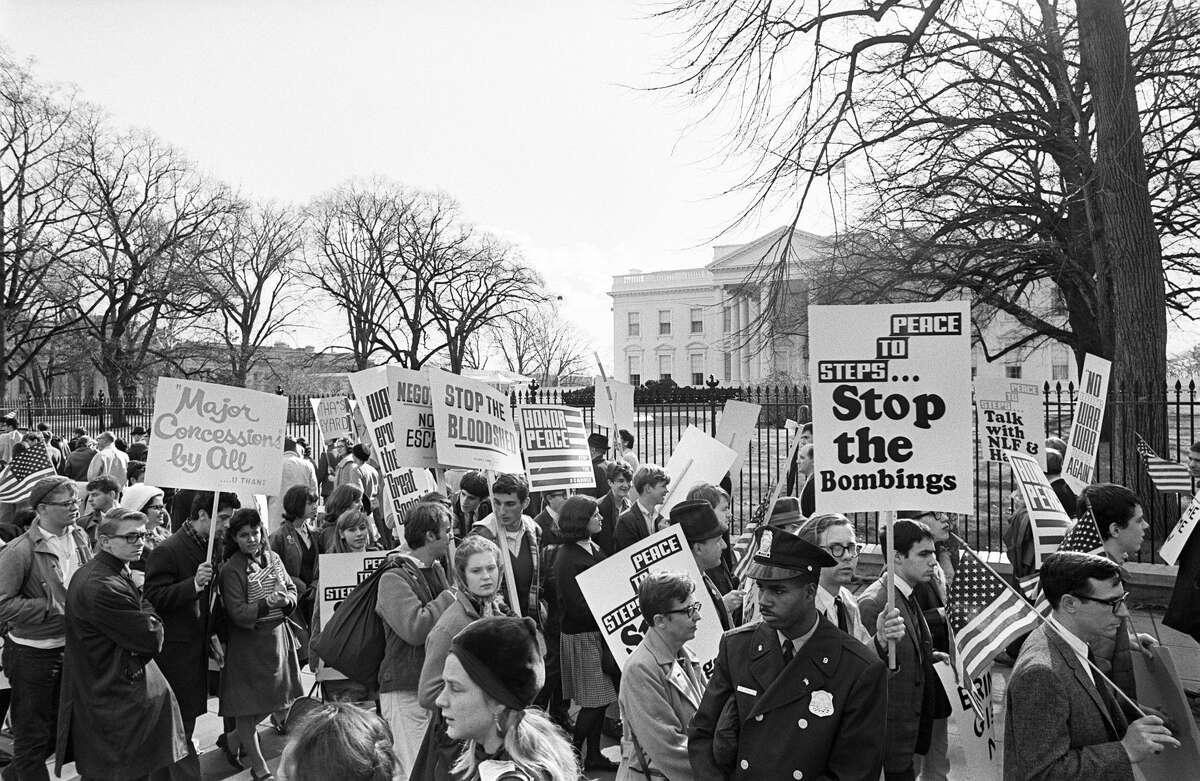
{"points": [[1183, 612], [794, 680]]}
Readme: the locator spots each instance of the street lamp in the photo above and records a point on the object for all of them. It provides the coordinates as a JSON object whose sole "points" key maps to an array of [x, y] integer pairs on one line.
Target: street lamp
{"points": [[712, 382]]}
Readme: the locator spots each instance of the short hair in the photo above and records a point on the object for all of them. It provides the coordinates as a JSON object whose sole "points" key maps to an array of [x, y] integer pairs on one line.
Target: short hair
{"points": [[1067, 572], [648, 475], [659, 591], [344, 497], [241, 518], [359, 451], [1057, 443], [511, 483], [43, 426], [709, 493], [425, 518], [574, 517], [812, 529], [136, 470], [436, 497], [472, 545], [289, 444], [806, 428], [10, 420], [33, 437], [618, 468], [112, 520], [103, 483], [106, 435], [204, 501], [296, 500], [548, 495], [86, 441], [341, 740], [1111, 503], [906, 534], [626, 437], [1054, 461], [475, 484]]}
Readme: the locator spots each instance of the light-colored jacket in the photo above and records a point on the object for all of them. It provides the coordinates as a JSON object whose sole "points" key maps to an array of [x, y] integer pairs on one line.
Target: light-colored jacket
{"points": [[660, 692], [111, 462]]}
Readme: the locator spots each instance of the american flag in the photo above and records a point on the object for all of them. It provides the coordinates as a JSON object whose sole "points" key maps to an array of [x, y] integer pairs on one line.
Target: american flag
{"points": [[985, 614], [1084, 537], [1169, 477], [27, 467]]}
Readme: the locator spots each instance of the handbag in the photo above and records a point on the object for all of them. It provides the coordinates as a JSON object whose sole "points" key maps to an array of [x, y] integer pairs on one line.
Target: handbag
{"points": [[353, 640], [302, 708]]}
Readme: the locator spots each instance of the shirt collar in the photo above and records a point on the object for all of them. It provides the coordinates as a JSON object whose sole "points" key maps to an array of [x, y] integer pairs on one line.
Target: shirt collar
{"points": [[646, 511], [825, 599], [1077, 645], [67, 532], [905, 589], [799, 642]]}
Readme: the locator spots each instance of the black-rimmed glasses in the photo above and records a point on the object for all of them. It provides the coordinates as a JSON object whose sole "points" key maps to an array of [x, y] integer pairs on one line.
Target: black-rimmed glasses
{"points": [[838, 550], [692, 610], [1114, 603]]}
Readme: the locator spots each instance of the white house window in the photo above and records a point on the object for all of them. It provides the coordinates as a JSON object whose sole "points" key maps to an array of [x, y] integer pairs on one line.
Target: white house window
{"points": [[664, 322], [635, 370], [1012, 371], [697, 369], [635, 324], [664, 367], [697, 320]]}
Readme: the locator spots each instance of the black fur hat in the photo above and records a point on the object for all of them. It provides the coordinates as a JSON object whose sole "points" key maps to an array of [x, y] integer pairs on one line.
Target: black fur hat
{"points": [[501, 655]]}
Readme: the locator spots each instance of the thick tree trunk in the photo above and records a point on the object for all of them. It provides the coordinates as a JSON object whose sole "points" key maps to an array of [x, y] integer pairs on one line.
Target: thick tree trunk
{"points": [[1130, 277]]}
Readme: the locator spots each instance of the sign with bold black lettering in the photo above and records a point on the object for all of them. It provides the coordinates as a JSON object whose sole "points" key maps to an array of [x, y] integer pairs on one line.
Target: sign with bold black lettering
{"points": [[473, 424], [1079, 464], [892, 407], [412, 412], [340, 575], [554, 441], [1010, 418]]}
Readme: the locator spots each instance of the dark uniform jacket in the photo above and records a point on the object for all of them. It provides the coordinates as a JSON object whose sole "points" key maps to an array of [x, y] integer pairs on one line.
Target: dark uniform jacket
{"points": [[820, 717], [117, 715], [170, 588]]}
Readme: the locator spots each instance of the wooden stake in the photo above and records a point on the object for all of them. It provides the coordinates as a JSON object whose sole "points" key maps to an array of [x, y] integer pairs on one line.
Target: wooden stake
{"points": [[889, 521], [212, 525]]}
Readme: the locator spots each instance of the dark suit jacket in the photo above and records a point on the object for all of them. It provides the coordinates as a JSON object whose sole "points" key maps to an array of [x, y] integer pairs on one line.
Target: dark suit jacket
{"points": [[909, 715], [609, 514], [1056, 724], [1183, 611], [819, 717], [631, 527], [169, 588]]}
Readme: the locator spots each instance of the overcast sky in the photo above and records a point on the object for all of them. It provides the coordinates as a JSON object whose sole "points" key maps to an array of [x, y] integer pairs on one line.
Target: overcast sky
{"points": [[533, 114]]}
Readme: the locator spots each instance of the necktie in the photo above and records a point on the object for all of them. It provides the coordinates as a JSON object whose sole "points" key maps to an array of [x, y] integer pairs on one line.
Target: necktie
{"points": [[843, 621], [788, 651]]}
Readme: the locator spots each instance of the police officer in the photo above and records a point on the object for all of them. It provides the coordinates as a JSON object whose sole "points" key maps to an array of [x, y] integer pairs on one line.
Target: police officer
{"points": [[793, 696]]}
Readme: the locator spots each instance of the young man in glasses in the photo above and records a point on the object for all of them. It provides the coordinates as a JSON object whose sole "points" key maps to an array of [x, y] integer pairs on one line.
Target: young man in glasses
{"points": [[120, 718], [1061, 719], [35, 570]]}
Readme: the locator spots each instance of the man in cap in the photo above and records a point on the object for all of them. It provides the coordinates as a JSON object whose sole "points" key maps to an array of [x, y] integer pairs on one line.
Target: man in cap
{"points": [[140, 446], [706, 536], [794, 680], [785, 515], [598, 448], [35, 570]]}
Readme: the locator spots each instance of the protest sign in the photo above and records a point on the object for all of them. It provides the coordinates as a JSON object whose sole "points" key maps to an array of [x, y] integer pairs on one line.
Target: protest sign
{"points": [[976, 732], [737, 424], [1079, 464], [340, 574], [1047, 517], [697, 458], [1159, 688], [892, 407], [216, 438], [473, 426], [333, 417], [610, 588], [1173, 545], [412, 412], [1010, 418], [371, 389], [613, 399], [554, 440]]}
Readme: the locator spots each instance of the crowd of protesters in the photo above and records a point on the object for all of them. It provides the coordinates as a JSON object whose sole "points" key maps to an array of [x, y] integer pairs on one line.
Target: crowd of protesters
{"points": [[121, 621]]}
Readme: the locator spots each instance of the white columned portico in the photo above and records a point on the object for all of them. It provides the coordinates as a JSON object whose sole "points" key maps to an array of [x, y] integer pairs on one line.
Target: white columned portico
{"points": [[734, 336], [743, 339]]}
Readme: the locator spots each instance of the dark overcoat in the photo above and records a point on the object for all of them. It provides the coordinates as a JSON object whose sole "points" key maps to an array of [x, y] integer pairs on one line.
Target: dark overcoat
{"points": [[1183, 611], [170, 573], [631, 527], [819, 717], [117, 716]]}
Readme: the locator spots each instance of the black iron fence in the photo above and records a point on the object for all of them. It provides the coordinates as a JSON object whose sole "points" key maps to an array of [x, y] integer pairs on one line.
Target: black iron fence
{"points": [[662, 415]]}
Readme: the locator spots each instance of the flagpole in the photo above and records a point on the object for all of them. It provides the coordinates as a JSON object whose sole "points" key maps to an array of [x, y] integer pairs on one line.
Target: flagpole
{"points": [[889, 521], [612, 407]]}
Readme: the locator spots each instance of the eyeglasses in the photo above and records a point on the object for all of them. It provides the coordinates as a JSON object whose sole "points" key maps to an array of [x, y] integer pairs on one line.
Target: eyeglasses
{"points": [[68, 503], [838, 550], [1114, 603], [692, 610], [133, 538]]}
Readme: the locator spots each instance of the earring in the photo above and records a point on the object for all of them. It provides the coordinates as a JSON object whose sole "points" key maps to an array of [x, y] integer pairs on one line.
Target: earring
{"points": [[496, 721]]}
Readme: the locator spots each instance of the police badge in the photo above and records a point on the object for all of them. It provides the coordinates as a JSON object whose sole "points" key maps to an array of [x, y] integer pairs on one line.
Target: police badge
{"points": [[820, 703]]}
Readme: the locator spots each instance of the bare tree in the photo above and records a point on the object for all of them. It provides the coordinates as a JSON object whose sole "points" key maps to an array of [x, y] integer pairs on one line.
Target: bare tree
{"points": [[249, 277], [38, 224], [539, 341], [151, 219]]}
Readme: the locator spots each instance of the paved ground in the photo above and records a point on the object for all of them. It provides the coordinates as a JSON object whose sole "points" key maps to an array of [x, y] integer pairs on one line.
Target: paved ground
{"points": [[1185, 651]]}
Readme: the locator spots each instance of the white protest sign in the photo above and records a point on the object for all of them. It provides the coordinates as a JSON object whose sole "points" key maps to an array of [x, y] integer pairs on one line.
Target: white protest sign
{"points": [[1010, 418], [697, 458], [333, 417], [1079, 464], [412, 411], [892, 407], [976, 734], [1172, 546], [371, 389], [554, 440], [473, 426], [735, 428], [1049, 520], [340, 575], [216, 438], [610, 588], [613, 398]]}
